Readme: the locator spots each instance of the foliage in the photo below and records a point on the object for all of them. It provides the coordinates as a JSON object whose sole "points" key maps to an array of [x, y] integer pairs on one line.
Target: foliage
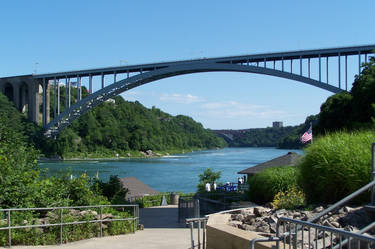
{"points": [[354, 110], [336, 165], [208, 176], [267, 183], [290, 199], [18, 168], [258, 137], [119, 127], [30, 133], [156, 200], [293, 139], [112, 189], [51, 235]]}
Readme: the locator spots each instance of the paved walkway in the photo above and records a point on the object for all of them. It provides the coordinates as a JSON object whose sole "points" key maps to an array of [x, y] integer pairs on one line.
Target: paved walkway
{"points": [[162, 231]]}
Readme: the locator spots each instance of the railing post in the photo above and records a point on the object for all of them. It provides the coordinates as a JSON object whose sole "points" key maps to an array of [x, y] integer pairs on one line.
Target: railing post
{"points": [[134, 220], [373, 173], [192, 235], [196, 209], [61, 226], [101, 222], [199, 234], [9, 231]]}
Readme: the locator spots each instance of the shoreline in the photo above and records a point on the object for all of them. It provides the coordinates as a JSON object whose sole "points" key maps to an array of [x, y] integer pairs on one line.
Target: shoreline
{"points": [[129, 155]]}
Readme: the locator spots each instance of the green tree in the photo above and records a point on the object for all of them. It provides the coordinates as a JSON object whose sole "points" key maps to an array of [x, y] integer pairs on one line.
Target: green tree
{"points": [[18, 168], [208, 176]]}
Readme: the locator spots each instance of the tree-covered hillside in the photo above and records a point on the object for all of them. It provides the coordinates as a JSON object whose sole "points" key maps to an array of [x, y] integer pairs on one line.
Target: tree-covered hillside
{"points": [[114, 127], [120, 126], [257, 137]]}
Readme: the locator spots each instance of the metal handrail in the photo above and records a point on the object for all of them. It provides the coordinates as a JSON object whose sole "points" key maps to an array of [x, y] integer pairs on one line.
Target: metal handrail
{"points": [[100, 220], [341, 202], [293, 233], [200, 221], [309, 223]]}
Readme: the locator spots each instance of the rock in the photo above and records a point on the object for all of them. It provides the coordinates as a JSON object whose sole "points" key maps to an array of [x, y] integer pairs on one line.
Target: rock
{"points": [[246, 227], [94, 213], [306, 215], [273, 228], [235, 223], [270, 219], [107, 216], [249, 221], [335, 224], [84, 212], [128, 155], [149, 152], [318, 209], [327, 224], [263, 229], [280, 213], [239, 217], [247, 211], [140, 227], [261, 211], [73, 212]]}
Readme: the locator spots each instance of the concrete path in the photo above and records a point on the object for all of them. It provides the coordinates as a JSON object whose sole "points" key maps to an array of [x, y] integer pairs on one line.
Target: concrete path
{"points": [[162, 231]]}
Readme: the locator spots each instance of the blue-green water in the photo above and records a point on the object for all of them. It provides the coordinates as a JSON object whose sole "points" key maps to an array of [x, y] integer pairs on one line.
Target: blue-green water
{"points": [[173, 173]]}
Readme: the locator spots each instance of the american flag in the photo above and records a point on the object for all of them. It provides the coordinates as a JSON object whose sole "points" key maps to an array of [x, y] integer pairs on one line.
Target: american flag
{"points": [[307, 136]]}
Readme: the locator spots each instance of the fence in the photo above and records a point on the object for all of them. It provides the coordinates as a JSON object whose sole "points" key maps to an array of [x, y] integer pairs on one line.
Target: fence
{"points": [[323, 236], [146, 200], [188, 207], [217, 202], [134, 220], [201, 224], [303, 234]]}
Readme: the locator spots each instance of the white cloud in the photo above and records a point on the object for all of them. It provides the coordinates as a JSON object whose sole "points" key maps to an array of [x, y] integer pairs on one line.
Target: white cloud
{"points": [[233, 109], [180, 98]]}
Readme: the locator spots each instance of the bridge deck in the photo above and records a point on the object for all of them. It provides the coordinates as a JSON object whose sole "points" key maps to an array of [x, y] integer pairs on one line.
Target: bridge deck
{"points": [[277, 56]]}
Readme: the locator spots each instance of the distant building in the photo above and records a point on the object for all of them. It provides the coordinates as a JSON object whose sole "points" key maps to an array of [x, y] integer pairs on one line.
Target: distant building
{"points": [[277, 124]]}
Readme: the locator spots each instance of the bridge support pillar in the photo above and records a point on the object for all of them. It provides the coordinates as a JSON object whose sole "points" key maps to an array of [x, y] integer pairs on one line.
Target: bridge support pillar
{"points": [[25, 93]]}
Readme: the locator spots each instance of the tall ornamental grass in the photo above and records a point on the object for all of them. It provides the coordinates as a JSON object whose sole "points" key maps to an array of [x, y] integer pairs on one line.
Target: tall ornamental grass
{"points": [[336, 165], [267, 183]]}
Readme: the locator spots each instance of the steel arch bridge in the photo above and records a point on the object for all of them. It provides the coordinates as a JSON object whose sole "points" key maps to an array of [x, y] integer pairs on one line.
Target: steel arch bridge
{"points": [[307, 69]]}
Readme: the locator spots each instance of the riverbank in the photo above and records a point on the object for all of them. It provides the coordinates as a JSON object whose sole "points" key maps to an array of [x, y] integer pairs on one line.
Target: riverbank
{"points": [[86, 156]]}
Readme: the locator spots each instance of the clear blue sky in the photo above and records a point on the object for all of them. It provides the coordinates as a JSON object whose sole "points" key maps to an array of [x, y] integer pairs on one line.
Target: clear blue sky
{"points": [[67, 35]]}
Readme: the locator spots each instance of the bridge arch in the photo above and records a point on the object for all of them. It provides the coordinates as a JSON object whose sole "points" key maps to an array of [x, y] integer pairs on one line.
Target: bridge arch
{"points": [[81, 107], [23, 97], [9, 91]]}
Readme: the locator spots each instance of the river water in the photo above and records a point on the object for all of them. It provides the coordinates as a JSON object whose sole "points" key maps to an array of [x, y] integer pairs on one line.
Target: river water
{"points": [[172, 173]]}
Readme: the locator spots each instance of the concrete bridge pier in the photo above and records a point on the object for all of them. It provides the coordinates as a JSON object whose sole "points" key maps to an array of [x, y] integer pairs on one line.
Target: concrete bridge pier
{"points": [[25, 93]]}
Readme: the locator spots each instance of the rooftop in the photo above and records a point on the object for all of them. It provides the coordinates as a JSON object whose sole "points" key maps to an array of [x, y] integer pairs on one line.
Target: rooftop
{"points": [[289, 159]]}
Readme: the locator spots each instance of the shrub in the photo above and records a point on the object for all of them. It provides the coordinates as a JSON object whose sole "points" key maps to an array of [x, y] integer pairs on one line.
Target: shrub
{"points": [[335, 166], [208, 176], [290, 199], [267, 183]]}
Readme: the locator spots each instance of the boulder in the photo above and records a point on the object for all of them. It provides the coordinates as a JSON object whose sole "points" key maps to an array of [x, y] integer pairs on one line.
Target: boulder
{"points": [[261, 211]]}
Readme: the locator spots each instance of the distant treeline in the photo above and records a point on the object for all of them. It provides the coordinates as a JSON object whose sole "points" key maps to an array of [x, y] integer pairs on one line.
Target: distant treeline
{"points": [[284, 137]]}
